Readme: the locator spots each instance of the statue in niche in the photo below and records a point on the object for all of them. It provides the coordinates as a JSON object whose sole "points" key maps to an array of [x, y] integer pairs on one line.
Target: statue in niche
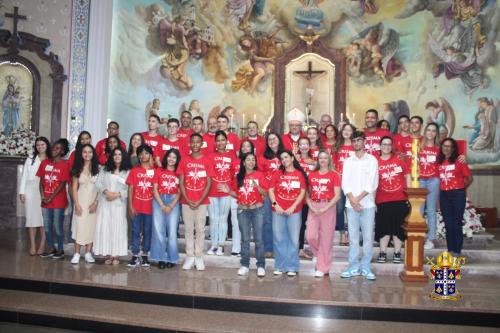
{"points": [[11, 105]]}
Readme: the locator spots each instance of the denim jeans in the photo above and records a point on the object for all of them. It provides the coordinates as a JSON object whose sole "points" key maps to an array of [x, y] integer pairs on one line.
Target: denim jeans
{"points": [[164, 245], [141, 222], [432, 185], [235, 228], [218, 211], [286, 230], [364, 220], [267, 228], [452, 207], [54, 217], [341, 212], [249, 219]]}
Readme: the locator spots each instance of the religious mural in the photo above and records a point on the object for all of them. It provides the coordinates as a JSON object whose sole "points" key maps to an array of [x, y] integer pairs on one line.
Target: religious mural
{"points": [[437, 59]]}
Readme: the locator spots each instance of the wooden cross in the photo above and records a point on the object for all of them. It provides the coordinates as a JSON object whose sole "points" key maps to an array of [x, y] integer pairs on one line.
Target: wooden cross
{"points": [[16, 17], [309, 72]]}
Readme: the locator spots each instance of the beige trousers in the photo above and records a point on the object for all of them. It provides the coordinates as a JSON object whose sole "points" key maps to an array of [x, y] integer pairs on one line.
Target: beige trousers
{"points": [[194, 226]]}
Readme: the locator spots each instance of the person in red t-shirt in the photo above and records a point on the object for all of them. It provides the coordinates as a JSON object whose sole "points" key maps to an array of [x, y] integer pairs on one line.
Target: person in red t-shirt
{"points": [[166, 211], [316, 144], [416, 123], [140, 204], [331, 133], [136, 140], [218, 210], [286, 192], [208, 144], [54, 174], [153, 139], [233, 141], [112, 142], [392, 200], [112, 130], [195, 177], [323, 194], [324, 122], [172, 141], [403, 140], [455, 178], [258, 141], [373, 134], [185, 131], [249, 189]]}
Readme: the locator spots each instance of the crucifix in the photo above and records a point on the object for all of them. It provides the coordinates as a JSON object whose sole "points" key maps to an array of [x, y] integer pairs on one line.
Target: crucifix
{"points": [[15, 17], [309, 75]]}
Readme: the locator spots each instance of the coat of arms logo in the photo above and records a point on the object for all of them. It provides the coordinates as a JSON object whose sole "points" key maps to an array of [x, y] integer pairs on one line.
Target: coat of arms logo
{"points": [[445, 275]]}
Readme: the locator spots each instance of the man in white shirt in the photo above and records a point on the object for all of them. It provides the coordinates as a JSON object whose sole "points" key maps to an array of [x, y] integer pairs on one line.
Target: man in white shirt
{"points": [[359, 183]]}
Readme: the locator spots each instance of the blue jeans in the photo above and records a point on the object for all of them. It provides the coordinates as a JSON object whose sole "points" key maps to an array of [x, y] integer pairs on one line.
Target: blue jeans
{"points": [[341, 212], [432, 185], [54, 217], [251, 219], [267, 228], [286, 230], [164, 245], [218, 212], [141, 222], [364, 220], [452, 207]]}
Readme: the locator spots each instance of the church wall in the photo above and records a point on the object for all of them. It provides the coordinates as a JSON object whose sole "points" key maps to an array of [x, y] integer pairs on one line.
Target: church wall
{"points": [[401, 56]]}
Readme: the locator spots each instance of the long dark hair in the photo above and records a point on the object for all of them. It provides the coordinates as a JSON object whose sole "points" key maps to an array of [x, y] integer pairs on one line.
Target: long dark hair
{"points": [[240, 153], [296, 165], [318, 142], [164, 162], [107, 150], [392, 143], [64, 145], [268, 153], [130, 148], [48, 152], [78, 145], [124, 165], [78, 165], [240, 177], [341, 140], [454, 153]]}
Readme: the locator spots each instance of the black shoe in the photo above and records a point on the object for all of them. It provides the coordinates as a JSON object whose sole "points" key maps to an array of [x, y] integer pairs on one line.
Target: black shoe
{"points": [[397, 257], [133, 262], [48, 254], [161, 265], [145, 261], [382, 257], [235, 254], [58, 255], [170, 264]]}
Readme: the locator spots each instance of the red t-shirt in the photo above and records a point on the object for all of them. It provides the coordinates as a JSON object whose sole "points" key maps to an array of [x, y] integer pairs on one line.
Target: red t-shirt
{"points": [[167, 180], [314, 153], [287, 186], [289, 143], [166, 145], [306, 166], [453, 175], [208, 145], [269, 167], [100, 150], [196, 173], [402, 144], [155, 142], [329, 147], [391, 180], [142, 179], [428, 157], [323, 185], [71, 160], [340, 156], [184, 134], [259, 144], [51, 175], [372, 140], [224, 171], [248, 194], [233, 143]]}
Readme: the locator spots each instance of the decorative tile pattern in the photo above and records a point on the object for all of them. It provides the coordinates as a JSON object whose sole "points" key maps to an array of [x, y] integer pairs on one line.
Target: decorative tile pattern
{"points": [[79, 44]]}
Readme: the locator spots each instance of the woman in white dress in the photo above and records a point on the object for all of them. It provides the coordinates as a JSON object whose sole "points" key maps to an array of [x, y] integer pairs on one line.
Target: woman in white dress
{"points": [[84, 176], [111, 226], [29, 193]]}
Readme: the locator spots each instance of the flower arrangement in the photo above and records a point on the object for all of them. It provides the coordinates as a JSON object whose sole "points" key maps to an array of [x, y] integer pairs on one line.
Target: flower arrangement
{"points": [[17, 143], [471, 223]]}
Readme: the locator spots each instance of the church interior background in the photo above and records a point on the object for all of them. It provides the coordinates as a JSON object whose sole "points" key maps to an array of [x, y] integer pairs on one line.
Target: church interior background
{"points": [[437, 59]]}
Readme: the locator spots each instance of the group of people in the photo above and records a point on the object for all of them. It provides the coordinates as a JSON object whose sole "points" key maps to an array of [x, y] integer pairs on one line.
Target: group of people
{"points": [[279, 190]]}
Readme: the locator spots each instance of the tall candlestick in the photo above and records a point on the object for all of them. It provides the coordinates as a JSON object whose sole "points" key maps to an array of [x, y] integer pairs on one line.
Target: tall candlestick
{"points": [[415, 174]]}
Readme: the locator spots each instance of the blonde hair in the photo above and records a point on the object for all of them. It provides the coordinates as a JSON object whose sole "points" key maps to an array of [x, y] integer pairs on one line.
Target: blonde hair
{"points": [[330, 161]]}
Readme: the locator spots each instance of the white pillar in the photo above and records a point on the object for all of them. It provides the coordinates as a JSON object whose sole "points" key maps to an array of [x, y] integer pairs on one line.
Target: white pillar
{"points": [[98, 68]]}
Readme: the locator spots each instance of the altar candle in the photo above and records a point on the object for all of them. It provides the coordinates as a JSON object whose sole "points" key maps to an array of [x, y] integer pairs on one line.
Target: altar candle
{"points": [[231, 123], [243, 121], [354, 119], [341, 117], [255, 117]]}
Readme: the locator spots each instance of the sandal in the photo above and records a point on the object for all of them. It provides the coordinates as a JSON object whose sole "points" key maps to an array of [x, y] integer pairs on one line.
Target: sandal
{"points": [[116, 262]]}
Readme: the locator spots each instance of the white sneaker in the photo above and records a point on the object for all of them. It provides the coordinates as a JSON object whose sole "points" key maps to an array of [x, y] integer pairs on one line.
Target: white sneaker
{"points": [[188, 263], [428, 244], [76, 258], [212, 250], [291, 273], [261, 272], [220, 251], [319, 274], [243, 271], [89, 258], [277, 272], [200, 265]]}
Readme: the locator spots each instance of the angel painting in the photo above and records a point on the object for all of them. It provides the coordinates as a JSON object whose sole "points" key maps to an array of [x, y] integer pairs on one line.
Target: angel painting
{"points": [[486, 119], [244, 10], [372, 54], [441, 113], [465, 14], [392, 111]]}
